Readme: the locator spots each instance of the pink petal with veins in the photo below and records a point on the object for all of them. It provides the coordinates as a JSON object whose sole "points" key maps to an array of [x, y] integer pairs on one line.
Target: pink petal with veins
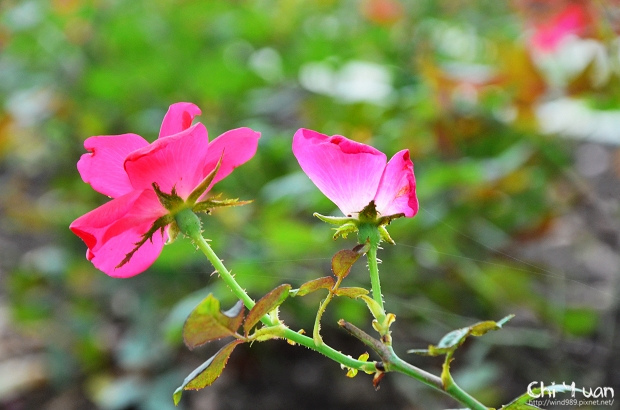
{"points": [[347, 172], [102, 167], [174, 161], [112, 230], [178, 118], [396, 193], [238, 146]]}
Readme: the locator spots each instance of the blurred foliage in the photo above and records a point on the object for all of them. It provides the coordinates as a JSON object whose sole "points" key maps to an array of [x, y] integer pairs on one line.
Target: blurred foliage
{"points": [[458, 83]]}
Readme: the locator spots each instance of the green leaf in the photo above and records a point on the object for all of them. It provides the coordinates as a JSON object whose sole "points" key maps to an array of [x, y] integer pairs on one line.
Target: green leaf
{"points": [[205, 374], [207, 322], [353, 292], [455, 338], [265, 305], [342, 262], [483, 327], [326, 282]]}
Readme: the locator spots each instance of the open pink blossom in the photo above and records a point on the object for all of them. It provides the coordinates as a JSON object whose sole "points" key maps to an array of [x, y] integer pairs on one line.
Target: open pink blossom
{"points": [[352, 174], [126, 167]]}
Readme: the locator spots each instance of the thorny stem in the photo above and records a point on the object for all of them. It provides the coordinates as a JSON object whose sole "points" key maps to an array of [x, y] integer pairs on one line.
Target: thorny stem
{"points": [[393, 363], [190, 225], [373, 269]]}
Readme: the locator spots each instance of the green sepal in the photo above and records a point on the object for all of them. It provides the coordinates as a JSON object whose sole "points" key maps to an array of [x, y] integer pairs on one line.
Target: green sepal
{"points": [[384, 234], [207, 373], [369, 214], [207, 205], [173, 232], [369, 224], [335, 220], [159, 225], [452, 340], [346, 224], [172, 201], [345, 230], [206, 322], [266, 304], [326, 282], [204, 184]]}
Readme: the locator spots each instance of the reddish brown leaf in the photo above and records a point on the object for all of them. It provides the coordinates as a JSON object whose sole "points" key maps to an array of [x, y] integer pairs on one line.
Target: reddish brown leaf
{"points": [[208, 372], [265, 305], [207, 322], [326, 282], [351, 292], [342, 262]]}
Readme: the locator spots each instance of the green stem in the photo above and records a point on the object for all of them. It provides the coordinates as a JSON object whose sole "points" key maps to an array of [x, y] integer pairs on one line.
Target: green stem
{"points": [[226, 276], [450, 388], [373, 269], [189, 224], [393, 363]]}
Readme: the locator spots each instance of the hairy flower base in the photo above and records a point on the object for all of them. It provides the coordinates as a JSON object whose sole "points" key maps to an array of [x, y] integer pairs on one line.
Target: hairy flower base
{"points": [[368, 224]]}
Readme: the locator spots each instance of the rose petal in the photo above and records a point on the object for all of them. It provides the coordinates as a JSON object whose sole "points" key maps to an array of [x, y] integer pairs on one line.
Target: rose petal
{"points": [[238, 146], [112, 230], [174, 161], [103, 167], [396, 193], [347, 172], [178, 118]]}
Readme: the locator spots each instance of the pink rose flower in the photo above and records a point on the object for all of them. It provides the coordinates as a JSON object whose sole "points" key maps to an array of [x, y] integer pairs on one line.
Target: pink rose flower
{"points": [[127, 168], [352, 174]]}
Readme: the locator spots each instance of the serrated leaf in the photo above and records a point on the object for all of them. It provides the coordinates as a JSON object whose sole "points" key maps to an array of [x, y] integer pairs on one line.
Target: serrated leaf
{"points": [[342, 262], [326, 282], [205, 374], [265, 305], [207, 322], [352, 293]]}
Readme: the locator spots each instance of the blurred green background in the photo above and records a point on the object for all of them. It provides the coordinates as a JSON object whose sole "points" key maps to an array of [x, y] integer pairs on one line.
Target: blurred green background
{"points": [[515, 146]]}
